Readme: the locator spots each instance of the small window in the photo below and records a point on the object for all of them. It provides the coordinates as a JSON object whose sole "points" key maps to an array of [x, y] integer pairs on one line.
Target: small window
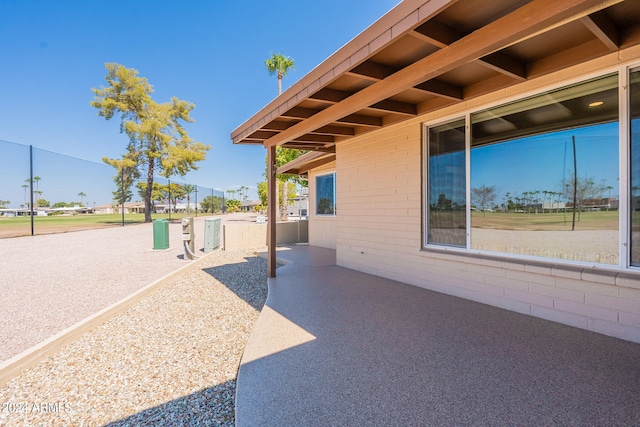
{"points": [[447, 209], [326, 194]]}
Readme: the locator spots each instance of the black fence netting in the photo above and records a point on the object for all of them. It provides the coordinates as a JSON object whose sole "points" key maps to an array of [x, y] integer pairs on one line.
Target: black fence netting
{"points": [[44, 192]]}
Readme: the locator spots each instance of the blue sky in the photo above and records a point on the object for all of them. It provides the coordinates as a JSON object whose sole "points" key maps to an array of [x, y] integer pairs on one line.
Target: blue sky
{"points": [[542, 162], [210, 53]]}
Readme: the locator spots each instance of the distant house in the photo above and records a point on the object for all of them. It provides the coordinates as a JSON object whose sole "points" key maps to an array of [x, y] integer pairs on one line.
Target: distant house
{"points": [[249, 205], [129, 207], [441, 105]]}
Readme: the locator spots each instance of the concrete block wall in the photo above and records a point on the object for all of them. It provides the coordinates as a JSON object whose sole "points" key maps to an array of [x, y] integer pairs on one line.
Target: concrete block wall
{"points": [[244, 236], [248, 236], [379, 231]]}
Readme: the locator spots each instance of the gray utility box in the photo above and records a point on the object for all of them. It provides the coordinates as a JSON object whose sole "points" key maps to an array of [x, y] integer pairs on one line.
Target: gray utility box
{"points": [[211, 234]]}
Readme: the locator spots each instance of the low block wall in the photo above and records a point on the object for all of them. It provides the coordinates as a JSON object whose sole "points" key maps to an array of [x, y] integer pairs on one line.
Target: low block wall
{"points": [[247, 236]]}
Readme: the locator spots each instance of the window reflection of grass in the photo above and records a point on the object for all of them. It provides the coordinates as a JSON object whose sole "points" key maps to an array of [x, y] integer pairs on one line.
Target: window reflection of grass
{"points": [[598, 220]]}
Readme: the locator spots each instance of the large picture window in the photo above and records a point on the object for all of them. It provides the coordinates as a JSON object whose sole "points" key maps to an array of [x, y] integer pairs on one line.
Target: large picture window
{"points": [[326, 194], [544, 176]]}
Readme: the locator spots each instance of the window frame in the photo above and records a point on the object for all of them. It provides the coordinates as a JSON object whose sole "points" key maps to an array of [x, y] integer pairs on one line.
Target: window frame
{"points": [[624, 171], [315, 199]]}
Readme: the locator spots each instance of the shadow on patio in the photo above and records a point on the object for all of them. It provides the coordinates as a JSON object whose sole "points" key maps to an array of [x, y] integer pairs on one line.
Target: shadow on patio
{"points": [[334, 346]]}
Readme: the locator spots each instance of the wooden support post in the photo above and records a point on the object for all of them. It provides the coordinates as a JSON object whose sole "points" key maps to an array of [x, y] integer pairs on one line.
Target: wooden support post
{"points": [[272, 211]]}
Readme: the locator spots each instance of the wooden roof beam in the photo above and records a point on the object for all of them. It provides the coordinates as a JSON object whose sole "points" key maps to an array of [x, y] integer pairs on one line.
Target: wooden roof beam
{"points": [[442, 36], [525, 22], [376, 72], [602, 27]]}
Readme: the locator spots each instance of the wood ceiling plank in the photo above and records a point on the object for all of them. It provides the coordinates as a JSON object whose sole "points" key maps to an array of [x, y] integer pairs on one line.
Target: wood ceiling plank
{"points": [[335, 130], [373, 70], [437, 33], [392, 106], [505, 64], [360, 120], [330, 95], [442, 89], [300, 113]]}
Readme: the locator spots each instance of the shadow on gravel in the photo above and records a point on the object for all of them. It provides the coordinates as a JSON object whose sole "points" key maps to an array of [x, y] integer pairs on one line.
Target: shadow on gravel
{"points": [[248, 280], [210, 406], [213, 405]]}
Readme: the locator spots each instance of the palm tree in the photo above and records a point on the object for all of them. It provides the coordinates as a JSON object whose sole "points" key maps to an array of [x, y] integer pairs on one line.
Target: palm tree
{"points": [[188, 189], [36, 192], [280, 64], [243, 191], [81, 194], [25, 186]]}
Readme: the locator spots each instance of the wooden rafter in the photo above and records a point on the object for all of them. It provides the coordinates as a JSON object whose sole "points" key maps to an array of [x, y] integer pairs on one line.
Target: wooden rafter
{"points": [[525, 22], [602, 27]]}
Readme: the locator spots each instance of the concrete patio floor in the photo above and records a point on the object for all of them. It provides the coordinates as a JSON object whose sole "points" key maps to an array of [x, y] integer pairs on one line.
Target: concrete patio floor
{"points": [[334, 346]]}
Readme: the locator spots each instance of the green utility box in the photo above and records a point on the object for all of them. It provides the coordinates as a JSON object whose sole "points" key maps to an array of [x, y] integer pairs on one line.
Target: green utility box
{"points": [[160, 234], [211, 234]]}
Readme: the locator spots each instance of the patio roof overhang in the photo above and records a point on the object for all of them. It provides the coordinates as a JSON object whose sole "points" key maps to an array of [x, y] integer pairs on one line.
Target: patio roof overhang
{"points": [[424, 55]]}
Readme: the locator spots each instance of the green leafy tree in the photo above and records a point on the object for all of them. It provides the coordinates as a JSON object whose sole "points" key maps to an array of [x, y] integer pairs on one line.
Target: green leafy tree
{"points": [[4, 203], [172, 193], [263, 194], [211, 204], [233, 205], [157, 194], [126, 174], [43, 203], [60, 205], [158, 142]]}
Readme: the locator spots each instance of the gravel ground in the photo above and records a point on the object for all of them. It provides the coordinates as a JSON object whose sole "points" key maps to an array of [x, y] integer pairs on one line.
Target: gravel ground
{"points": [[172, 359], [51, 282]]}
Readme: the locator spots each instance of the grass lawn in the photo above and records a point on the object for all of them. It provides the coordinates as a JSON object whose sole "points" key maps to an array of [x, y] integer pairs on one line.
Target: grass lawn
{"points": [[598, 220], [21, 226]]}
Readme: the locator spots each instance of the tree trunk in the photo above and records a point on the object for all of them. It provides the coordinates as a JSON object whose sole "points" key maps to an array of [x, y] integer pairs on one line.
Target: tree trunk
{"points": [[149, 192], [284, 215]]}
